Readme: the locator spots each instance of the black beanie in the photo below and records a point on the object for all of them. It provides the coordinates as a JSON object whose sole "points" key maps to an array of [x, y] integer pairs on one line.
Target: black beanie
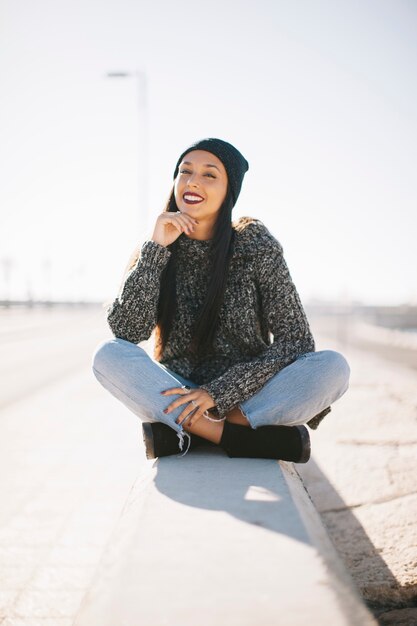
{"points": [[234, 162]]}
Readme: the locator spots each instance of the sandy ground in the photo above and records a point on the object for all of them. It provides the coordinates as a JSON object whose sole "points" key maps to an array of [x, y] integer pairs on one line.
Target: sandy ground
{"points": [[362, 475]]}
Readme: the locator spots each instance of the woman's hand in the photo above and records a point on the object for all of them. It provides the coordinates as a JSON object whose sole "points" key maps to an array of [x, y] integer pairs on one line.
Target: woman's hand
{"points": [[169, 227], [200, 400]]}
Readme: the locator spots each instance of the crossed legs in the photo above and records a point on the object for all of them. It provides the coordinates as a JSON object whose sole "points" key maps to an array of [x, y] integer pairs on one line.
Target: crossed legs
{"points": [[292, 396]]}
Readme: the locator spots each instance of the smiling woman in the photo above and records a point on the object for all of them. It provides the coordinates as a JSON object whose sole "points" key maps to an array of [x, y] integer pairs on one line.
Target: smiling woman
{"points": [[200, 190], [215, 292]]}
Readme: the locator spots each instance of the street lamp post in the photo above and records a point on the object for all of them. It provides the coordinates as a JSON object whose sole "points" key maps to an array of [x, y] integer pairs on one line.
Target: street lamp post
{"points": [[141, 80]]}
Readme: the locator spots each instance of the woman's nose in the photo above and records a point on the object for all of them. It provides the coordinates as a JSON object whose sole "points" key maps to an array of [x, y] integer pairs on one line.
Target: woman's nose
{"points": [[192, 179]]}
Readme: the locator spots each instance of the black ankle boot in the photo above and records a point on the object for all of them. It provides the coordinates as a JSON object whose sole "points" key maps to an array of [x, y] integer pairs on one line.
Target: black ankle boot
{"points": [[162, 440], [286, 443]]}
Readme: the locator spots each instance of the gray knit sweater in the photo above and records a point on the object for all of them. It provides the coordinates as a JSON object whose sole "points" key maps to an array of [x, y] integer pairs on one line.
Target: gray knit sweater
{"points": [[260, 299]]}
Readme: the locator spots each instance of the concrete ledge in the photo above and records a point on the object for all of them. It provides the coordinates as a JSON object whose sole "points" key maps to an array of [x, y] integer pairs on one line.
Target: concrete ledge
{"points": [[209, 540]]}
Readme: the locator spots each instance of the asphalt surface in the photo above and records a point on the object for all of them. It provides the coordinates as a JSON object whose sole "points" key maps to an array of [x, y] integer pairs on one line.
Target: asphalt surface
{"points": [[362, 476], [70, 454]]}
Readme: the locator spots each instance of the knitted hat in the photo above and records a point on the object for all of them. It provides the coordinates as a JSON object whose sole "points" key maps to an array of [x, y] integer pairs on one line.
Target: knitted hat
{"points": [[234, 162]]}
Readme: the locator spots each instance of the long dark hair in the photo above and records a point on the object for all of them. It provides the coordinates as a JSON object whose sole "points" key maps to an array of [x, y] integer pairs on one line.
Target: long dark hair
{"points": [[207, 320]]}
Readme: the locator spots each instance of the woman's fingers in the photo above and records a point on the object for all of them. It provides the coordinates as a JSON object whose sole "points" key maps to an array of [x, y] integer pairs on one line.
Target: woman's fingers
{"points": [[177, 226], [189, 416], [183, 391], [176, 404], [188, 410], [190, 220], [197, 401], [186, 222], [170, 225]]}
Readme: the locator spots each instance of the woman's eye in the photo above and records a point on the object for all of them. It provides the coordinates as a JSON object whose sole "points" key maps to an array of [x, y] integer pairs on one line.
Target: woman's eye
{"points": [[188, 171]]}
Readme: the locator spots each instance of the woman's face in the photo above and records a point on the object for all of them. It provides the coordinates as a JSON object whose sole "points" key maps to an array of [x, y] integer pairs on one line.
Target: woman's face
{"points": [[201, 174]]}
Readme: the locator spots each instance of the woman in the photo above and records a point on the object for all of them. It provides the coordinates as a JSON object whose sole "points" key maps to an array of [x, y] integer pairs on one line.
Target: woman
{"points": [[214, 291]]}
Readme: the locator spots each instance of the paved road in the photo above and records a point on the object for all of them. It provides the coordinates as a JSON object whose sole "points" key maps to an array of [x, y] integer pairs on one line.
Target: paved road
{"points": [[41, 347], [70, 452], [69, 455], [363, 475]]}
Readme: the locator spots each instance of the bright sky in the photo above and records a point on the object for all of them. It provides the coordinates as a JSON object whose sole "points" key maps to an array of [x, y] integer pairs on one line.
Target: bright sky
{"points": [[319, 95]]}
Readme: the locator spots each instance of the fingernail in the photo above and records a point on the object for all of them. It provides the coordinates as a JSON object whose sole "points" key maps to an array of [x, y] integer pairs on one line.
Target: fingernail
{"points": [[165, 410]]}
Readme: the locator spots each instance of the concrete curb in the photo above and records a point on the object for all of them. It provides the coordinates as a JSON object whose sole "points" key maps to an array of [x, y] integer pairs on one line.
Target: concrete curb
{"points": [[209, 540], [338, 576]]}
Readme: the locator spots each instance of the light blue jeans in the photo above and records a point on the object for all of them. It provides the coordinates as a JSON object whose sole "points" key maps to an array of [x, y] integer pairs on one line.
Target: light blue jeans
{"points": [[292, 396]]}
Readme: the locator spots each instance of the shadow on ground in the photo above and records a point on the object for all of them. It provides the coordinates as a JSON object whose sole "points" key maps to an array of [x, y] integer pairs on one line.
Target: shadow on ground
{"points": [[382, 593], [259, 497]]}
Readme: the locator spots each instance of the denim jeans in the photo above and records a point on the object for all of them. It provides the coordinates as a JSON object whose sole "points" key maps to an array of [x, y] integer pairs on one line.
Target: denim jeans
{"points": [[314, 381]]}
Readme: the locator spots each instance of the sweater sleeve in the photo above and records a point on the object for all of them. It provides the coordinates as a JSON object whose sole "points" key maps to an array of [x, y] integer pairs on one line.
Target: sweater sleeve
{"points": [[286, 320], [133, 314]]}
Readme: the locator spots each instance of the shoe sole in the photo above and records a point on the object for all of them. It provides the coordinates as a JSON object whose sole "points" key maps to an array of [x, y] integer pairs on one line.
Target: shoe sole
{"points": [[148, 440], [306, 444]]}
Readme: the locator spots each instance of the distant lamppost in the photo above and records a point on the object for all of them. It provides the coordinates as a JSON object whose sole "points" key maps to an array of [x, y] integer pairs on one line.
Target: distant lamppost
{"points": [[8, 264], [141, 80], [46, 271]]}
